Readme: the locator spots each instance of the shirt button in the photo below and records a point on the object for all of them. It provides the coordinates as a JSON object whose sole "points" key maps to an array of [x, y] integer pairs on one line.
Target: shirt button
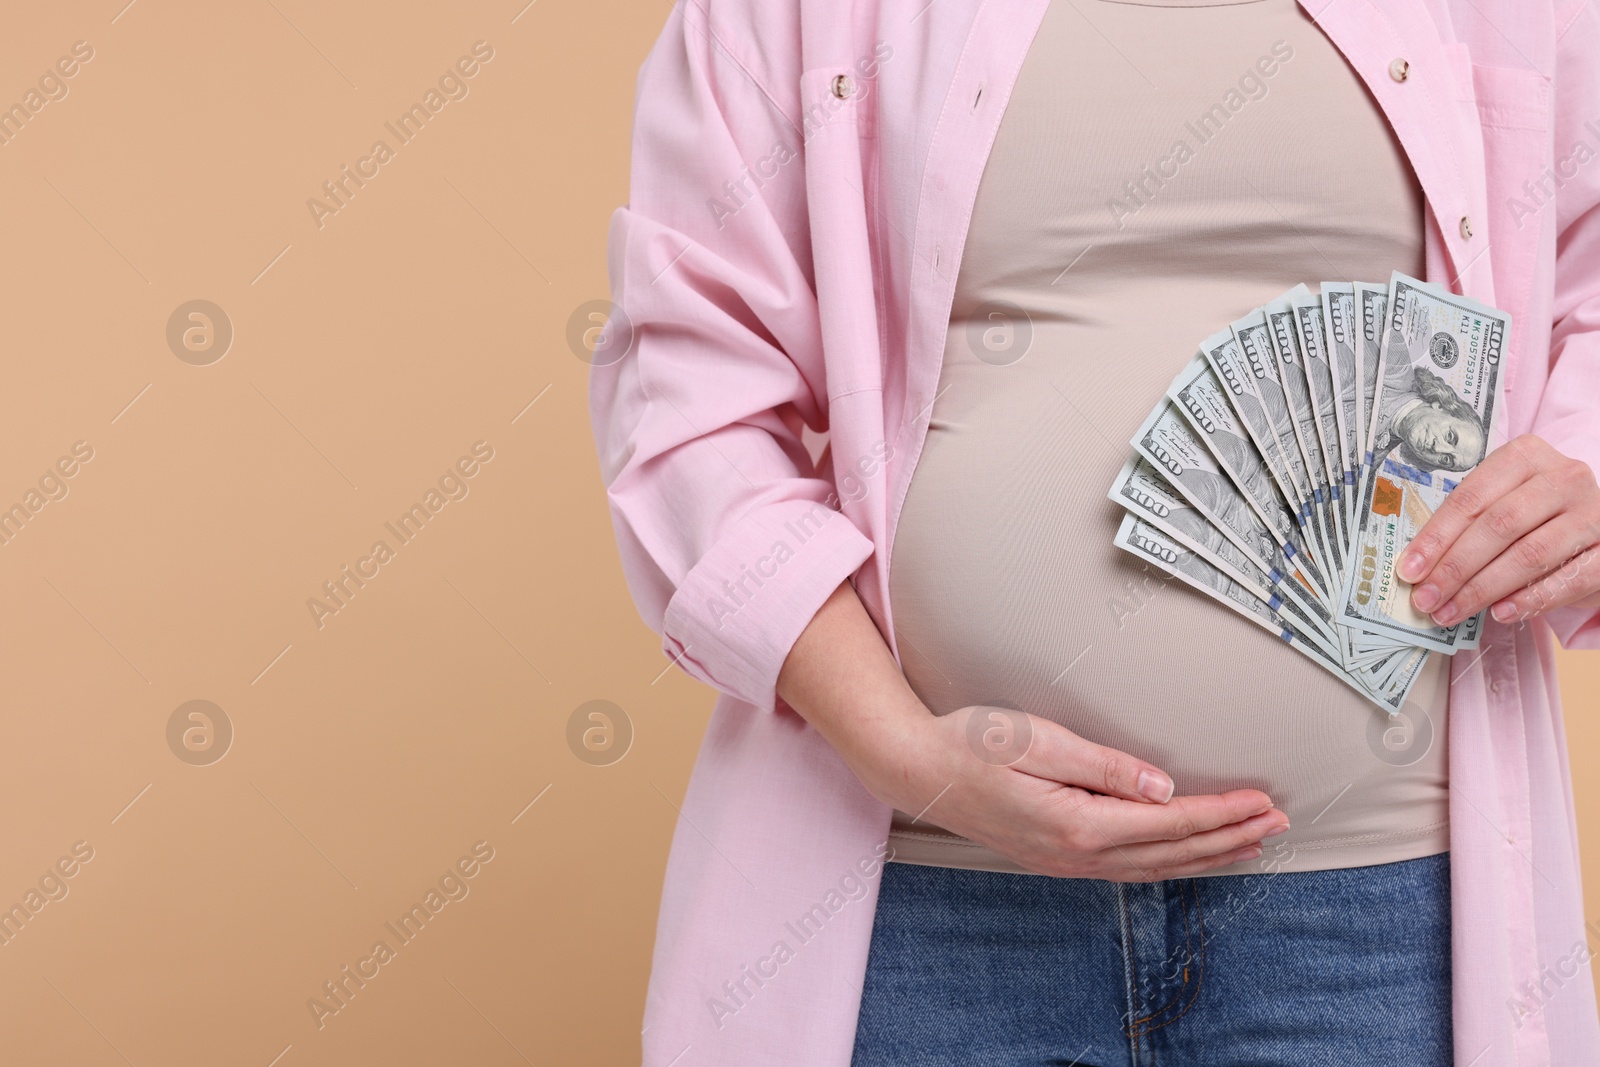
{"points": [[1494, 687], [841, 86], [1466, 226], [1399, 69]]}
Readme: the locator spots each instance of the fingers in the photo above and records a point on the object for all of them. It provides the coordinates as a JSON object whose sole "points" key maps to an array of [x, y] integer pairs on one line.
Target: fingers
{"points": [[1508, 521], [1060, 755], [1530, 558], [1501, 471], [1224, 841], [1523, 513], [1104, 822], [1186, 870], [1577, 579]]}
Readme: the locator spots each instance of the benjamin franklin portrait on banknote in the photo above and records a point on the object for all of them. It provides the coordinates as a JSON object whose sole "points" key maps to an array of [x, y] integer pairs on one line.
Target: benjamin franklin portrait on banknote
{"points": [[1424, 422]]}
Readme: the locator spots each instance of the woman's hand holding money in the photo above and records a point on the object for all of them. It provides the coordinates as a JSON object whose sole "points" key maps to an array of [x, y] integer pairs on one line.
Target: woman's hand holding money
{"points": [[1521, 533]]}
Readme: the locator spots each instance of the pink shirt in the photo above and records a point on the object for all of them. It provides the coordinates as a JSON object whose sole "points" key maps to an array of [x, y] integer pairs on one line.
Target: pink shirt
{"points": [[803, 177]]}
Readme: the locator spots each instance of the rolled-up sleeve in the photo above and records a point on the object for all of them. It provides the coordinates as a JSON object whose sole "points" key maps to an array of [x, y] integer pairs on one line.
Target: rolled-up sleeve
{"points": [[1569, 412], [730, 537]]}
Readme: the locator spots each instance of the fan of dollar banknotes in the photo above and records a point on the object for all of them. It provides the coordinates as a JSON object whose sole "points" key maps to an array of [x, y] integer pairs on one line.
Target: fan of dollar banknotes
{"points": [[1299, 452]]}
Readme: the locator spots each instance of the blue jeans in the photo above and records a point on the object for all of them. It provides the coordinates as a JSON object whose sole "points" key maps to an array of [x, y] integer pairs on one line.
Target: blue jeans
{"points": [[1333, 967]]}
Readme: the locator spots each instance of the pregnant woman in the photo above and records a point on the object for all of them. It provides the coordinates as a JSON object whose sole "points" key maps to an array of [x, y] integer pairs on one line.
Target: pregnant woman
{"points": [[1076, 300], [979, 787]]}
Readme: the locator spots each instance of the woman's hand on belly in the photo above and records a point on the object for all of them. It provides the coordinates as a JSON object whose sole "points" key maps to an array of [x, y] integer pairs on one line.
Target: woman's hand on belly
{"points": [[1054, 802], [1061, 805]]}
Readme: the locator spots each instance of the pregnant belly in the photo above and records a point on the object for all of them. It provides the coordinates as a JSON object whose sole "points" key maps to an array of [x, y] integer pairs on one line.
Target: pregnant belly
{"points": [[1006, 590]]}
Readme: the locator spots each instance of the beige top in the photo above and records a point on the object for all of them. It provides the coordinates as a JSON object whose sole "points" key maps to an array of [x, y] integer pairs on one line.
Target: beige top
{"points": [[1160, 170]]}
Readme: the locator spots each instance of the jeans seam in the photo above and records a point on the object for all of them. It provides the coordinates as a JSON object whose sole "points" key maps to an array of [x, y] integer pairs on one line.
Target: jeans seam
{"points": [[1130, 972], [1187, 955], [1199, 969]]}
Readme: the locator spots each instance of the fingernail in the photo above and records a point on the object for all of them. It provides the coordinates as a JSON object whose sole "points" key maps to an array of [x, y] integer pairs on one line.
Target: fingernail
{"points": [[1410, 568], [1156, 786], [1446, 616], [1276, 830], [1503, 612], [1425, 597], [1248, 854]]}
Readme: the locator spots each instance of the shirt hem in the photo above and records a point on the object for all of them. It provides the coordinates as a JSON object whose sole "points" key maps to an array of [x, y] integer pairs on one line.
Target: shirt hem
{"points": [[932, 849]]}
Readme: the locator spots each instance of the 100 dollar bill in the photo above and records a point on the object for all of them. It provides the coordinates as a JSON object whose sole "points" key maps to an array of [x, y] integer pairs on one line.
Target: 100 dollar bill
{"points": [[1202, 400], [1435, 410], [1145, 493]]}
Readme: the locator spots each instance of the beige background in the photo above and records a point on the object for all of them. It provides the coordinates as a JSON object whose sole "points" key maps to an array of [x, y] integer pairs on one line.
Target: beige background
{"points": [[369, 354]]}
